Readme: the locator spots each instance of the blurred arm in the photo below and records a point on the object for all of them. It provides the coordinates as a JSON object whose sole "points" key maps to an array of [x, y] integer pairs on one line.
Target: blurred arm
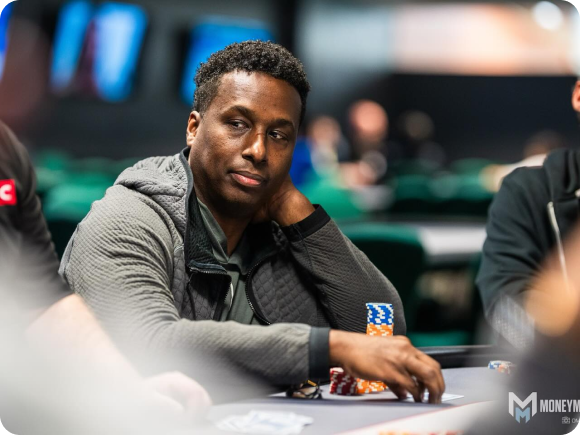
{"points": [[70, 326], [516, 244]]}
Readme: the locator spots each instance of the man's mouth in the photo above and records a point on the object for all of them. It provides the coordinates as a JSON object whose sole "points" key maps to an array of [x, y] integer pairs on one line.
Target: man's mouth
{"points": [[248, 179]]}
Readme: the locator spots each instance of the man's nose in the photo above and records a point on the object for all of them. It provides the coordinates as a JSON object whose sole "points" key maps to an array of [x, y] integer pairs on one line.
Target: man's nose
{"points": [[256, 149]]}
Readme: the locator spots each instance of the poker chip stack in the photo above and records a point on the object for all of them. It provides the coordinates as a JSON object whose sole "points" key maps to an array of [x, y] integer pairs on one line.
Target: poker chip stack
{"points": [[346, 385], [376, 386], [380, 319], [341, 383], [501, 366], [380, 323]]}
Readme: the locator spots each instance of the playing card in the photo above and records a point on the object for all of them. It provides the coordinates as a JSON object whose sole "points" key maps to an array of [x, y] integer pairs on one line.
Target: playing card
{"points": [[265, 422]]}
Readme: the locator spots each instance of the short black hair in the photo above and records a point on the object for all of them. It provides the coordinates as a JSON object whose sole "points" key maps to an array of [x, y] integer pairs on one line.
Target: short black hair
{"points": [[250, 56]]}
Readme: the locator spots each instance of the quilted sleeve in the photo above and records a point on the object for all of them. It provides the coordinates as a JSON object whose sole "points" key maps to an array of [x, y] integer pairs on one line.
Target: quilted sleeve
{"points": [[120, 261], [343, 275]]}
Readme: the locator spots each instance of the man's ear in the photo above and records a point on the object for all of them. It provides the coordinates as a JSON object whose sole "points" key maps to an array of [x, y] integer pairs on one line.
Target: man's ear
{"points": [[576, 97], [192, 127]]}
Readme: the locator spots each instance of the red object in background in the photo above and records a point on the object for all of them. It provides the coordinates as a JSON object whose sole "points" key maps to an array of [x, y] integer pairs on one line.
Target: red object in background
{"points": [[7, 192]]}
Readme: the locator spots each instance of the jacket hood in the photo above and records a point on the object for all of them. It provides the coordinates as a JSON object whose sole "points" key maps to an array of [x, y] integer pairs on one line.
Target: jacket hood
{"points": [[165, 181], [169, 182]]}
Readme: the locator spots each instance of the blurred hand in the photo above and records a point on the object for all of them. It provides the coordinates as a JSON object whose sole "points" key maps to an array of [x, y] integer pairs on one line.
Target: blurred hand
{"points": [[286, 207], [392, 360], [180, 393]]}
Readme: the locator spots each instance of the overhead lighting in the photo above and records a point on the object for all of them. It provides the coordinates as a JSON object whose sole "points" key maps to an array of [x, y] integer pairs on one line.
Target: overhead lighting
{"points": [[548, 15]]}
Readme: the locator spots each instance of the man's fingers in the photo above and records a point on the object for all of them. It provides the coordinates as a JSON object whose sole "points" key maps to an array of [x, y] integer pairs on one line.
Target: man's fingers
{"points": [[421, 386], [399, 391], [429, 375], [408, 383], [428, 360]]}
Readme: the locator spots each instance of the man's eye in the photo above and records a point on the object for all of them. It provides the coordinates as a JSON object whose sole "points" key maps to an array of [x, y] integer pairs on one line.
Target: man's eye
{"points": [[237, 124], [277, 135]]}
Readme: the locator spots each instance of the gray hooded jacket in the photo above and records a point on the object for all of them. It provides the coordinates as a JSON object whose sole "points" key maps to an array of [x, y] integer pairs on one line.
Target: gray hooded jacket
{"points": [[142, 260]]}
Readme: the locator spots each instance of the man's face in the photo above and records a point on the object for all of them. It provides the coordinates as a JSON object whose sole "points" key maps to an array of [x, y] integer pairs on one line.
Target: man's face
{"points": [[576, 97], [241, 149]]}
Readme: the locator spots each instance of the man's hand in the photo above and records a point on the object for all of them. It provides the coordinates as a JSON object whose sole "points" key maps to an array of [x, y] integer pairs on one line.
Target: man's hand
{"points": [[393, 360], [286, 207]]}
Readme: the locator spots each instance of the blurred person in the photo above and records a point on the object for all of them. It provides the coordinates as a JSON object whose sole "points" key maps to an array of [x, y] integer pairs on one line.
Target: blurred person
{"points": [[533, 212], [328, 145], [550, 368], [214, 251], [543, 143], [302, 168], [41, 320], [324, 143], [417, 130], [370, 152], [23, 87], [535, 152]]}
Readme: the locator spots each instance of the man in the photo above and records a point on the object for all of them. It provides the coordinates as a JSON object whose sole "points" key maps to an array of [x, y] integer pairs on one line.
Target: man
{"points": [[531, 215], [551, 367], [41, 319], [182, 244]]}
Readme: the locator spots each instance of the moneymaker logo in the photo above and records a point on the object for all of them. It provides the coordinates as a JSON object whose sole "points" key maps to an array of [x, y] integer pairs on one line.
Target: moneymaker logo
{"points": [[525, 409]]}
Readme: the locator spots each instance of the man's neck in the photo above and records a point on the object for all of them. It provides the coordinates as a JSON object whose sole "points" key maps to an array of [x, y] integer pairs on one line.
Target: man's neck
{"points": [[233, 229], [232, 226]]}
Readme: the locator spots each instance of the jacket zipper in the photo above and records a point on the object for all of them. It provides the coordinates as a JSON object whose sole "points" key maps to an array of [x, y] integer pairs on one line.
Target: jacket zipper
{"points": [[249, 289], [248, 286], [193, 270], [556, 228]]}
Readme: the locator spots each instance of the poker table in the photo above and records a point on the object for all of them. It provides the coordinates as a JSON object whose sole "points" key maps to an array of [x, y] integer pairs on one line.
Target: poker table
{"points": [[332, 414]]}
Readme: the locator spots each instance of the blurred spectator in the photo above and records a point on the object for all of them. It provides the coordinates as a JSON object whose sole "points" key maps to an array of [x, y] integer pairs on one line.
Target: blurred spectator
{"points": [[417, 130], [23, 84], [369, 129], [301, 169], [535, 151], [543, 143], [327, 143], [319, 153]]}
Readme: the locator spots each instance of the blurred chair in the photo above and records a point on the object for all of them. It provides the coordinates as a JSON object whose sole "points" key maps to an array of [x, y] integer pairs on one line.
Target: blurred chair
{"points": [[68, 187], [52, 169], [65, 206], [53, 160], [337, 201], [119, 166], [397, 251], [413, 167], [90, 179], [470, 166], [462, 195], [413, 196]]}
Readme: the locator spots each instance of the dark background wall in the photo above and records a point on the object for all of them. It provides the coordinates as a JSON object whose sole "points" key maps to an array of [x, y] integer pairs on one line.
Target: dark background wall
{"points": [[154, 119], [487, 117], [474, 116]]}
